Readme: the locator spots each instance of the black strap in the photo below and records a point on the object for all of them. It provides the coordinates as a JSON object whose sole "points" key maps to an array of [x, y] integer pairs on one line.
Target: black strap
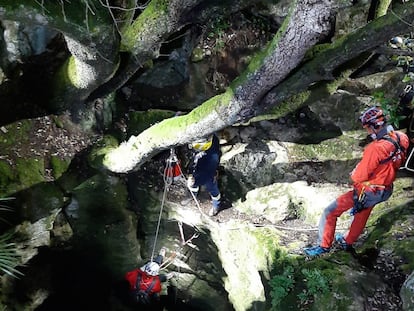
{"points": [[396, 144], [149, 289], [138, 283]]}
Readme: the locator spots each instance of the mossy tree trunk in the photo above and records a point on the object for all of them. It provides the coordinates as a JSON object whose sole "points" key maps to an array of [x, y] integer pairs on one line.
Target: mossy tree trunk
{"points": [[307, 23], [91, 39], [95, 41], [350, 52], [268, 82], [97, 32]]}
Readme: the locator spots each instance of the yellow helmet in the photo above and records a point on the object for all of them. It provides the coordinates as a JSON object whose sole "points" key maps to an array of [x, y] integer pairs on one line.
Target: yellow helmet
{"points": [[202, 144]]}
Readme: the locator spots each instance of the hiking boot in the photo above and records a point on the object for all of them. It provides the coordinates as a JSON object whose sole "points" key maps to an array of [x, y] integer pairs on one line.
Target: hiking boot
{"points": [[215, 206], [213, 211], [316, 250], [339, 238]]}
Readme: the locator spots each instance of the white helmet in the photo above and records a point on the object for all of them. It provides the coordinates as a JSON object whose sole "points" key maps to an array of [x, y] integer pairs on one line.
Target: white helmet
{"points": [[152, 268]]}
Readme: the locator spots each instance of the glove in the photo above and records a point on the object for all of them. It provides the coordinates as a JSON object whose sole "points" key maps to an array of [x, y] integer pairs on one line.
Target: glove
{"points": [[190, 181], [359, 203], [354, 211]]}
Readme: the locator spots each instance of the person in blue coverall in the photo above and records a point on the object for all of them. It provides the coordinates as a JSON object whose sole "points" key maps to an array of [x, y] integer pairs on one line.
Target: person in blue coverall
{"points": [[205, 160]]}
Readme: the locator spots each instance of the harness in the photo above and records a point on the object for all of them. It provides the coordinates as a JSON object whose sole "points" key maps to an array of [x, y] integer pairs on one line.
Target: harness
{"points": [[138, 284], [397, 151]]}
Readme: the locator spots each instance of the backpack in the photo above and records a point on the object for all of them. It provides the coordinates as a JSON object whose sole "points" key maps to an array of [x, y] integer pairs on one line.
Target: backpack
{"points": [[398, 153], [142, 296]]}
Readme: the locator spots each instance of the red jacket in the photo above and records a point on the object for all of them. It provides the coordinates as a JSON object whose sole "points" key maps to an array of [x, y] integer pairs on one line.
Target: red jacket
{"points": [[146, 280], [369, 170]]}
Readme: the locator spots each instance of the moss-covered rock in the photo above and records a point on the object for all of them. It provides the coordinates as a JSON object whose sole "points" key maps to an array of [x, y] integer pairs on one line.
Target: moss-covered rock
{"points": [[59, 166], [99, 150]]}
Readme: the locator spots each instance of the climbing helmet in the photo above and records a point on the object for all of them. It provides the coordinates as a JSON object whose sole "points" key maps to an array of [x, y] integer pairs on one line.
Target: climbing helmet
{"points": [[373, 116], [152, 268], [202, 144]]}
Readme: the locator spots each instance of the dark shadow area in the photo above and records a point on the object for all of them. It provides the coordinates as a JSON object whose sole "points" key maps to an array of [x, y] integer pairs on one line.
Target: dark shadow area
{"points": [[76, 277], [311, 128], [267, 305], [367, 257], [27, 93]]}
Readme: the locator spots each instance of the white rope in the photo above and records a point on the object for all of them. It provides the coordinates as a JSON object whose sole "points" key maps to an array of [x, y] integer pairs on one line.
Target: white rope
{"points": [[159, 221], [168, 180], [167, 183]]}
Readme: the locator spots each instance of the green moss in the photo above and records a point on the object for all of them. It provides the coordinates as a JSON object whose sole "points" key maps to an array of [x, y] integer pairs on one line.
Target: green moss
{"points": [[315, 50], [59, 166], [151, 19], [100, 149], [58, 121], [141, 120], [25, 174], [197, 55], [62, 82], [17, 133], [284, 108], [330, 149], [268, 241], [389, 228], [72, 74], [258, 61], [30, 171], [6, 177], [6, 172], [168, 127]]}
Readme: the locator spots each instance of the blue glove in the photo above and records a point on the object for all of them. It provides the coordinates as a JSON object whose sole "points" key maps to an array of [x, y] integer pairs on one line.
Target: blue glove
{"points": [[359, 203], [354, 211]]}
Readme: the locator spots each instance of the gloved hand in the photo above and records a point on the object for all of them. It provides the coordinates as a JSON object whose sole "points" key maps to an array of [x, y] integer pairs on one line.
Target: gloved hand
{"points": [[359, 203], [190, 181], [354, 211]]}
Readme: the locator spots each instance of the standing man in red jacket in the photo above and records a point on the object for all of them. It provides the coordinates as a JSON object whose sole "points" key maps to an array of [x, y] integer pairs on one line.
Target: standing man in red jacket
{"points": [[372, 180]]}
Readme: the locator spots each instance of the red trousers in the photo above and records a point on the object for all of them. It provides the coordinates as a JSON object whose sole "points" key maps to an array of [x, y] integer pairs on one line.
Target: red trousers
{"points": [[327, 223]]}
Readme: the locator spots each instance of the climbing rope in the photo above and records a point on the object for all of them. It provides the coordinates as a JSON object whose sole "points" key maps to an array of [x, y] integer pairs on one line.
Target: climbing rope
{"points": [[172, 171], [171, 162], [159, 221], [184, 242]]}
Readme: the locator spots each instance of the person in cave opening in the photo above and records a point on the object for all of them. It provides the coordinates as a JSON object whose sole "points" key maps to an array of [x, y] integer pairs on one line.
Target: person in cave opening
{"points": [[145, 283]]}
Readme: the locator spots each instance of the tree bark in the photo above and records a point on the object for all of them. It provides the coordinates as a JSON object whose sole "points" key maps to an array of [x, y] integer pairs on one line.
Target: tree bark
{"points": [[90, 37], [307, 23], [268, 81], [350, 47], [142, 40]]}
